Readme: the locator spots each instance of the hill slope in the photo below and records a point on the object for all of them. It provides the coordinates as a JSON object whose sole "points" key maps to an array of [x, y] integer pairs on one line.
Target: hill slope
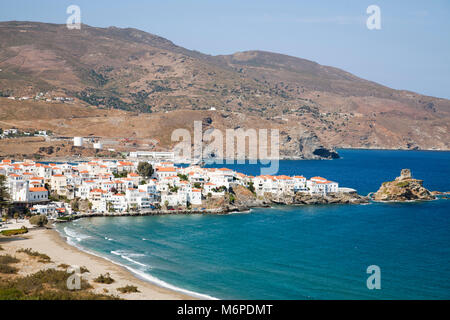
{"points": [[131, 70]]}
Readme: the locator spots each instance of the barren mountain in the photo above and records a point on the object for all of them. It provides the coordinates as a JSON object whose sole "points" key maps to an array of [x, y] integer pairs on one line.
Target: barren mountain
{"points": [[155, 82]]}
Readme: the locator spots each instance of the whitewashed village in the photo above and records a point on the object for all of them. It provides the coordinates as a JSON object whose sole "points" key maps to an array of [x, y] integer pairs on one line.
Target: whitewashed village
{"points": [[136, 185]]}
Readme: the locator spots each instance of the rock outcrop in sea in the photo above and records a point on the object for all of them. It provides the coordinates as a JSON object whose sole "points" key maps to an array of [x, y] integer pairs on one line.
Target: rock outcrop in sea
{"points": [[403, 188]]}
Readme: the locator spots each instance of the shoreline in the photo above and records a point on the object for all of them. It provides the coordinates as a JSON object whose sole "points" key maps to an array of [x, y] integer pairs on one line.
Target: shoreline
{"points": [[141, 276], [70, 158], [52, 243], [226, 211], [340, 198], [222, 211]]}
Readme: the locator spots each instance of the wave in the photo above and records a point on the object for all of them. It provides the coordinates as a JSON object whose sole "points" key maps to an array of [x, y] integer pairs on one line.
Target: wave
{"points": [[164, 284], [142, 275], [75, 235], [128, 256]]}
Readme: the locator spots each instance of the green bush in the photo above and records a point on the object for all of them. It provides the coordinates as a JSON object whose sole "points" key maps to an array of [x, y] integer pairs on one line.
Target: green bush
{"points": [[42, 256], [251, 187], [7, 269], [48, 284], [403, 184], [84, 270], [128, 289], [7, 259], [11, 294], [106, 279], [5, 262], [14, 232], [145, 169]]}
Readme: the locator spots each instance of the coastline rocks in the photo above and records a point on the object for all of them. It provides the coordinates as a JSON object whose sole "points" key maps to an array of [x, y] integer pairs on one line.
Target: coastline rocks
{"points": [[304, 198], [331, 198], [241, 199], [403, 188], [244, 200]]}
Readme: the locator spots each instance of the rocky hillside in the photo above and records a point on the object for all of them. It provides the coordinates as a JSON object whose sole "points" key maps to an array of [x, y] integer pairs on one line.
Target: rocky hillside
{"points": [[315, 107], [403, 188]]}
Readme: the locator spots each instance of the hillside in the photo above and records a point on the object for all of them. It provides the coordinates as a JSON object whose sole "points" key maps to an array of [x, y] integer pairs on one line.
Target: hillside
{"points": [[106, 69]]}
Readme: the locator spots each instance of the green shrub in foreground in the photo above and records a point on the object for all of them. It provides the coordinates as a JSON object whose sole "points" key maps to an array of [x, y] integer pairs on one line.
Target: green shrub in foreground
{"points": [[11, 294], [128, 289], [48, 284], [42, 256], [14, 232], [106, 279], [7, 269], [7, 259]]}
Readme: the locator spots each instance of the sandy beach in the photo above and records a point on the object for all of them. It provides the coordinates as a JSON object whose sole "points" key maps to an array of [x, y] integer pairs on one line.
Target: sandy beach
{"points": [[50, 242]]}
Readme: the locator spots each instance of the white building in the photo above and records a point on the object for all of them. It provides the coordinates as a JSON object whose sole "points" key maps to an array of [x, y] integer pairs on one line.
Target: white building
{"points": [[165, 172], [78, 141], [319, 185]]}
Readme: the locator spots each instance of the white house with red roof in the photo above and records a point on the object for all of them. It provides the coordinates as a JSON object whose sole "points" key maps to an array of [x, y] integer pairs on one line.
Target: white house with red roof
{"points": [[300, 184], [265, 184], [39, 194], [136, 178], [319, 185], [164, 172], [195, 197]]}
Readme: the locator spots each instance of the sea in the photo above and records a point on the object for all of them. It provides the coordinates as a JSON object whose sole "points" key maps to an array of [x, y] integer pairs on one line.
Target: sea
{"points": [[302, 252]]}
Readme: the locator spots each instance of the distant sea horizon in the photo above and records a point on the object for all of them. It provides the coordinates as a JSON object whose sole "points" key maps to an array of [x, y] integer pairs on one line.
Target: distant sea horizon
{"points": [[300, 252]]}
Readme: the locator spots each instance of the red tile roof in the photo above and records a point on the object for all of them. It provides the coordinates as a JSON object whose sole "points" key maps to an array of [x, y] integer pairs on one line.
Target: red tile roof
{"points": [[41, 189]]}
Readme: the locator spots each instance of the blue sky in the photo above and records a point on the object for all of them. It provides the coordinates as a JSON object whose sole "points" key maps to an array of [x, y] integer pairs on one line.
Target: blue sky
{"points": [[411, 51]]}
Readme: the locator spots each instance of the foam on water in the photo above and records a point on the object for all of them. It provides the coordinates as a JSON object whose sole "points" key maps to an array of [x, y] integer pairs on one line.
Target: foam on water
{"points": [[140, 274], [164, 284], [127, 256], [75, 235]]}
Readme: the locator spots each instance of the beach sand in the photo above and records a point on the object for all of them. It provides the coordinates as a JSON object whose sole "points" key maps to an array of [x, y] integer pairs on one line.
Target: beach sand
{"points": [[50, 242]]}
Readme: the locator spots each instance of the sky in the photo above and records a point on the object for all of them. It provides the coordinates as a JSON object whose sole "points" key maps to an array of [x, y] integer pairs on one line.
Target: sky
{"points": [[411, 51]]}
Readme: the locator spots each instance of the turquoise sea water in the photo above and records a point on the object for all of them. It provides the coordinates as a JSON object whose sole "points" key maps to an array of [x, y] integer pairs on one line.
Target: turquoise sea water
{"points": [[308, 252]]}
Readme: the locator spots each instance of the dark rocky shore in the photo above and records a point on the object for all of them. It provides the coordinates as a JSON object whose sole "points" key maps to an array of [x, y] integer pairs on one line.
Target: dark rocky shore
{"points": [[242, 200]]}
